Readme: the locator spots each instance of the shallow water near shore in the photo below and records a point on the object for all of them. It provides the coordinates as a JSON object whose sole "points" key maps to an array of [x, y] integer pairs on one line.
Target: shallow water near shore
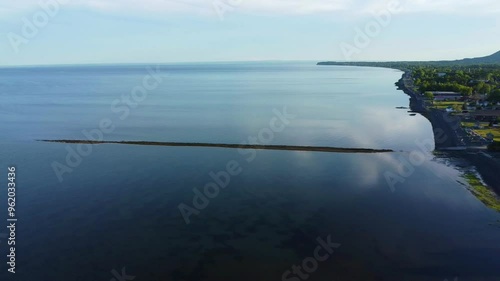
{"points": [[118, 208]]}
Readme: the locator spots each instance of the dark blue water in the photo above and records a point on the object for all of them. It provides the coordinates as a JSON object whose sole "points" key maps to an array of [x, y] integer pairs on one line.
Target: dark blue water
{"points": [[118, 206]]}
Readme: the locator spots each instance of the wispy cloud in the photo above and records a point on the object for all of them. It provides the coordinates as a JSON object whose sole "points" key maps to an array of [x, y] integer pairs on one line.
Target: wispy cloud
{"points": [[273, 6]]}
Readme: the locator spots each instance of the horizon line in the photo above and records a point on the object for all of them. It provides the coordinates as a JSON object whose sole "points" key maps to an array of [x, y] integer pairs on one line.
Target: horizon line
{"points": [[204, 62]]}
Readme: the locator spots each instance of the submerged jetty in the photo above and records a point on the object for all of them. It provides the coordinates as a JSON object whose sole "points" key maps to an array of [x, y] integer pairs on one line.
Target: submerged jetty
{"points": [[234, 146]]}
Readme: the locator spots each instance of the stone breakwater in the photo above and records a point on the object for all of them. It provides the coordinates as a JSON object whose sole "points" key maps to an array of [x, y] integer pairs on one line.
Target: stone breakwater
{"points": [[237, 146]]}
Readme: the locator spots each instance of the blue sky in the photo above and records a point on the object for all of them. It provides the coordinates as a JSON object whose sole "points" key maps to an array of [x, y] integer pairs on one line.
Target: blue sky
{"points": [[162, 31]]}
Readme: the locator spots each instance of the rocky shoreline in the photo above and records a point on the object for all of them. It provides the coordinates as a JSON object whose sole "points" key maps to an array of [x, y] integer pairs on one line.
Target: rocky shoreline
{"points": [[447, 130], [448, 137]]}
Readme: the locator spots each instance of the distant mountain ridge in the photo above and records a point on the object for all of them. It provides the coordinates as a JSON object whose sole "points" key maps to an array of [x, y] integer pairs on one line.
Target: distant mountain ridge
{"points": [[495, 58], [491, 59]]}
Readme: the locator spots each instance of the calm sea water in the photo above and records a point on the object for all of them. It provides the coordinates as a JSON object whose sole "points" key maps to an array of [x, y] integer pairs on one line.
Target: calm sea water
{"points": [[118, 208]]}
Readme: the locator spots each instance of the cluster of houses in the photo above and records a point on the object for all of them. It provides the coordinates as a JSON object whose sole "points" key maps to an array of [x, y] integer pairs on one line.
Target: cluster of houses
{"points": [[474, 102], [447, 96], [475, 106]]}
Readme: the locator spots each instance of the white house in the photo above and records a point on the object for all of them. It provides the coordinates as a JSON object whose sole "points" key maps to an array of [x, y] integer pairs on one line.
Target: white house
{"points": [[470, 107], [482, 103]]}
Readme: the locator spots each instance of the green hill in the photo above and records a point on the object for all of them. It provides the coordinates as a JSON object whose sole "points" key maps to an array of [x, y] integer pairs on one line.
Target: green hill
{"points": [[495, 58]]}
